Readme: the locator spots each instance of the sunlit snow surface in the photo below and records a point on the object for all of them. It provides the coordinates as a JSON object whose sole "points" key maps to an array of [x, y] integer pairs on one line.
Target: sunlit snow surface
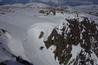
{"points": [[33, 51]]}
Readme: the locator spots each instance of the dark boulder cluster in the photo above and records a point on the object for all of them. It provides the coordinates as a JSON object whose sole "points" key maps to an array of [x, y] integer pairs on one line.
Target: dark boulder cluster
{"points": [[75, 32]]}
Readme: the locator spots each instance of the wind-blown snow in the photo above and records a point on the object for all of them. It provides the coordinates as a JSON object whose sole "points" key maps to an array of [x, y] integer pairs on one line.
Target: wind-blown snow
{"points": [[3, 44]]}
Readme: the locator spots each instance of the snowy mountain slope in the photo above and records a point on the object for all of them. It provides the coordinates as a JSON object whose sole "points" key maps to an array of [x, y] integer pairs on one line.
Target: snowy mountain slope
{"points": [[7, 45], [33, 51], [3, 44], [18, 23], [27, 31]]}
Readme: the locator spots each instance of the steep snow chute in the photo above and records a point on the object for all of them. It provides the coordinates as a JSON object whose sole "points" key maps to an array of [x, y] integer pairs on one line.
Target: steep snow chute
{"points": [[15, 46], [10, 46], [7, 56], [4, 55]]}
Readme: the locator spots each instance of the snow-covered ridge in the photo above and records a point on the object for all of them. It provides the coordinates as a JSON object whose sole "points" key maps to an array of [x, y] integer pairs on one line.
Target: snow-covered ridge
{"points": [[4, 9]]}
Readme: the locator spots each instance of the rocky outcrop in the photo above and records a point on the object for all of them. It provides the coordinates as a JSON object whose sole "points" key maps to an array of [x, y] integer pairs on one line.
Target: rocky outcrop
{"points": [[75, 32]]}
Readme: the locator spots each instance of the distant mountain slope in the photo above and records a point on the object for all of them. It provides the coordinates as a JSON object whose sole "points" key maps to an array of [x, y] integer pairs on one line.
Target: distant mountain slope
{"points": [[52, 2]]}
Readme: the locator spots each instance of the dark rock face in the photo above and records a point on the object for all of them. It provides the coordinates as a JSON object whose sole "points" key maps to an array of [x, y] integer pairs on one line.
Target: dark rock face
{"points": [[22, 61], [75, 32], [41, 34], [2, 63], [18, 61]]}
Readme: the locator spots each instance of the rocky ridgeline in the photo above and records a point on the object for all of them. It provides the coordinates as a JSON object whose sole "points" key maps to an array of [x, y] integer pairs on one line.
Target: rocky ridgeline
{"points": [[75, 32]]}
